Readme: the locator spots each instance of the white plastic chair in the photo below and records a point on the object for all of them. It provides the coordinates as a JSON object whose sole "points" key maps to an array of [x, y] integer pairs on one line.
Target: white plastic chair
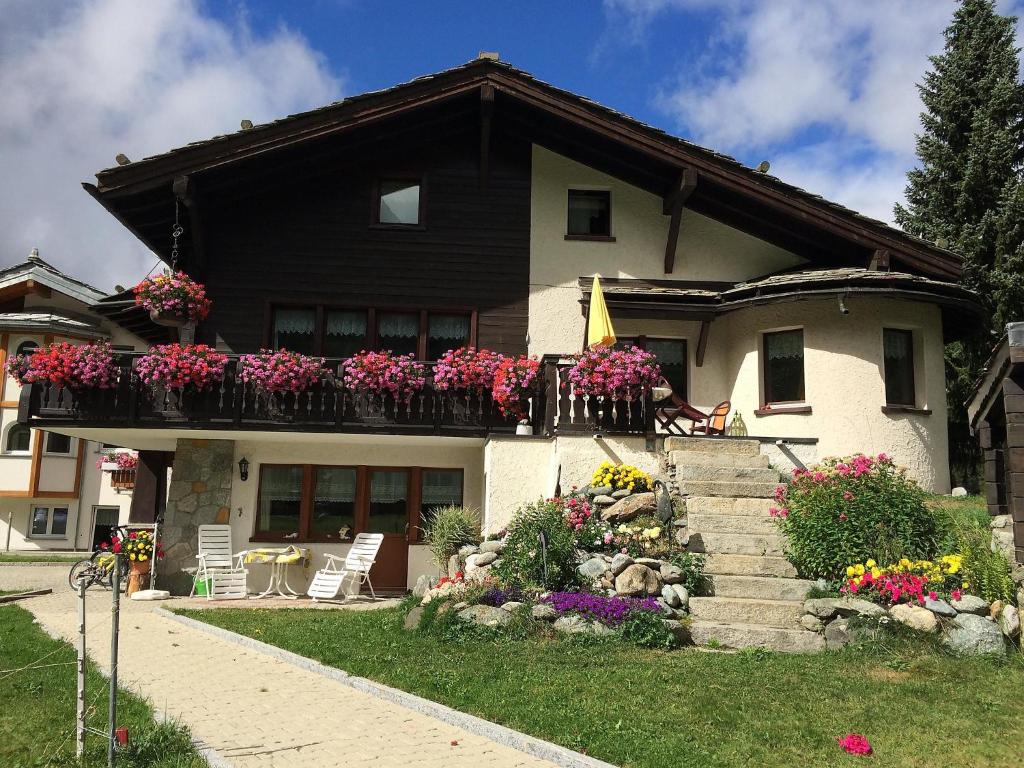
{"points": [[357, 563], [219, 565]]}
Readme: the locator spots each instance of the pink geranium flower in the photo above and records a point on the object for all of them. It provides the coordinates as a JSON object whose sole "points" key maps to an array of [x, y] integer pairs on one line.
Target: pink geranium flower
{"points": [[855, 744]]}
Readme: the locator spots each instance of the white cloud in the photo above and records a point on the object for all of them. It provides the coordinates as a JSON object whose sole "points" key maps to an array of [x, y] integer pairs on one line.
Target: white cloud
{"points": [[84, 81]]}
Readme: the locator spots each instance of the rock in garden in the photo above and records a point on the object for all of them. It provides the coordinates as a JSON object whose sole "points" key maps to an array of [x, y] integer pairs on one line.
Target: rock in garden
{"points": [[678, 630], [481, 559], [970, 604], [666, 609], [683, 594], [512, 606], [620, 494], [670, 574], [1009, 621], [423, 585], [493, 545], [543, 612], [599, 490], [959, 491], [620, 562], [603, 501], [670, 596], [592, 569], [637, 580], [940, 607], [915, 617], [461, 605], [469, 549], [995, 609], [839, 633], [974, 635], [486, 615], [412, 618], [653, 563], [573, 625], [827, 607], [812, 623], [626, 509], [454, 566]]}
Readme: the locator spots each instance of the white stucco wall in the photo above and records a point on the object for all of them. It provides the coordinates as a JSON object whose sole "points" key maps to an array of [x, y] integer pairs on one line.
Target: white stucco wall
{"points": [[707, 250]]}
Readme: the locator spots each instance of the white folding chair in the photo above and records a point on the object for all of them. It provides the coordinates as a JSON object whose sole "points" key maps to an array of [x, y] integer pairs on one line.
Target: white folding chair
{"points": [[357, 563], [219, 566]]}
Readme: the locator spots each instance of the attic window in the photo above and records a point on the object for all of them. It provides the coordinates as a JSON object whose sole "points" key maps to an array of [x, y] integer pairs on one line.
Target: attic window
{"points": [[590, 214], [398, 202]]}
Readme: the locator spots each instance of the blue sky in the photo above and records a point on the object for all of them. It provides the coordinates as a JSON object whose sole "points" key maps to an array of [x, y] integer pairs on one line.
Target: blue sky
{"points": [[823, 89]]}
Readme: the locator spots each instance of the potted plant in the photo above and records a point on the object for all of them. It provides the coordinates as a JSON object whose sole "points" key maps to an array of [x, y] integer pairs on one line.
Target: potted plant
{"points": [[614, 374], [515, 382], [280, 371], [78, 366], [121, 465], [173, 299], [466, 370], [182, 367], [140, 548], [380, 373]]}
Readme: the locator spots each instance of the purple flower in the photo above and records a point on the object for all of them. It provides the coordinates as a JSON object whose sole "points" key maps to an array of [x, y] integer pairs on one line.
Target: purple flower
{"points": [[610, 611]]}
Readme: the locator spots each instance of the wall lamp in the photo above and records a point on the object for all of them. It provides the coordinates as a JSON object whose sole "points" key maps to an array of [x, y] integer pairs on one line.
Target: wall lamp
{"points": [[243, 468]]}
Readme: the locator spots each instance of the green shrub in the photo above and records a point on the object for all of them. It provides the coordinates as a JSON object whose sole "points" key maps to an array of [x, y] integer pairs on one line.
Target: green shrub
{"points": [[446, 530], [646, 629], [692, 566], [523, 563], [851, 509], [985, 573]]}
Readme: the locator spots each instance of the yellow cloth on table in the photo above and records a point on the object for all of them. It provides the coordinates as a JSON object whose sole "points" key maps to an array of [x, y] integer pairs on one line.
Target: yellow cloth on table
{"points": [[599, 322], [286, 555]]}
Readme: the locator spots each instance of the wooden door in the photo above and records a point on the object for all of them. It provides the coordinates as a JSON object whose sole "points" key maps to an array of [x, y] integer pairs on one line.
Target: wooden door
{"points": [[387, 504]]}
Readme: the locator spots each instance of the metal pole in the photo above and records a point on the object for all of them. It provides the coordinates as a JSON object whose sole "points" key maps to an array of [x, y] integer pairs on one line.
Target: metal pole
{"points": [[10, 521], [80, 722], [115, 610]]}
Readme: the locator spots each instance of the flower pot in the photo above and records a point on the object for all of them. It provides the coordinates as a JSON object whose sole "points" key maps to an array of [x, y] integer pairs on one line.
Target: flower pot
{"points": [[524, 429], [660, 393], [171, 321], [138, 571]]}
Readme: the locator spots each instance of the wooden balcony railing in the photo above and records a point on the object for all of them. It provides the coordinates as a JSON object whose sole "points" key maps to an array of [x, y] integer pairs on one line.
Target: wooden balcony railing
{"points": [[327, 407]]}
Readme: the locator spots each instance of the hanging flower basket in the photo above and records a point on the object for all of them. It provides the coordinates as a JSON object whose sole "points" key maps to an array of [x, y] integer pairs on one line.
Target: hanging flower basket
{"points": [[615, 374], [466, 370], [280, 371], [196, 367], [173, 299], [78, 366], [514, 384], [384, 372]]}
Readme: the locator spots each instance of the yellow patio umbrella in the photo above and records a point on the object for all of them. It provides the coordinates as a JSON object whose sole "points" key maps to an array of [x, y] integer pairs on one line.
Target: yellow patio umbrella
{"points": [[599, 323]]}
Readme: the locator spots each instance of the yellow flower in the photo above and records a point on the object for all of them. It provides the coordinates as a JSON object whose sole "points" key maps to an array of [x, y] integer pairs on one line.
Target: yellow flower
{"points": [[850, 571], [870, 563]]}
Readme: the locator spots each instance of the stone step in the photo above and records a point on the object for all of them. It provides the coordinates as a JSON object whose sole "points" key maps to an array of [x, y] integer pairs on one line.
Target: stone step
{"points": [[756, 636], [713, 445], [748, 488], [729, 474], [771, 545], [748, 565], [698, 522], [759, 587], [692, 458], [745, 610], [724, 505]]}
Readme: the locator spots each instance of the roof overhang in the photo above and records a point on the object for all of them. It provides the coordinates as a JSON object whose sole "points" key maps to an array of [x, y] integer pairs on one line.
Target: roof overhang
{"points": [[43, 322], [988, 389]]}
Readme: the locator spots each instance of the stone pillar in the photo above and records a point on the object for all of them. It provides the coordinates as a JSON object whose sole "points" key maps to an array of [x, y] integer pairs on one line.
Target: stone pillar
{"points": [[200, 491]]}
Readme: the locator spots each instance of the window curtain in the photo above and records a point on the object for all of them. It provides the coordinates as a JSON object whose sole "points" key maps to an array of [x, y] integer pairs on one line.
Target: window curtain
{"points": [[786, 345], [897, 345], [294, 321], [346, 324], [389, 487], [441, 488], [278, 484], [398, 325], [335, 484], [449, 327]]}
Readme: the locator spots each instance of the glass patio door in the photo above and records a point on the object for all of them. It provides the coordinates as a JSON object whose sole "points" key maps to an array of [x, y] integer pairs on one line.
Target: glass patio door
{"points": [[387, 511]]}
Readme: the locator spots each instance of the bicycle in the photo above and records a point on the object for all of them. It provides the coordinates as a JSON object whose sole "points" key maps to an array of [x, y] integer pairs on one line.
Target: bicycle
{"points": [[99, 569]]}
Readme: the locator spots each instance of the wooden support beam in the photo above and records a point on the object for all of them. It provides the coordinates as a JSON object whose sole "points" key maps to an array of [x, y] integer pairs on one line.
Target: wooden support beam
{"points": [[879, 260], [486, 114], [702, 341], [186, 191], [673, 206]]}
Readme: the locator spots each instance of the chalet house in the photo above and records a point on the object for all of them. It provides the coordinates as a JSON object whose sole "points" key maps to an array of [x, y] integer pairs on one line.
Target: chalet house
{"points": [[53, 494], [473, 206]]}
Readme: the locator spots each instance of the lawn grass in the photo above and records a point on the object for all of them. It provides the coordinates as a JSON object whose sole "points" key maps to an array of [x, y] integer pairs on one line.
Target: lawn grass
{"points": [[37, 708], [649, 709], [962, 509], [43, 557]]}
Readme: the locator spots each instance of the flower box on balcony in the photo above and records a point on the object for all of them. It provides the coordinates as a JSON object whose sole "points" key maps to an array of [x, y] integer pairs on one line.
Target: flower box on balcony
{"points": [[122, 479]]}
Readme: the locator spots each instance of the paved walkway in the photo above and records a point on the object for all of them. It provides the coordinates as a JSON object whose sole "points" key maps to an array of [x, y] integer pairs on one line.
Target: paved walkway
{"points": [[252, 708]]}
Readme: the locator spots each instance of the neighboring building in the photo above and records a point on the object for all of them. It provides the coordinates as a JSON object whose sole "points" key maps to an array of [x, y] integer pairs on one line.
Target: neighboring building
{"points": [[472, 207], [996, 414], [52, 494]]}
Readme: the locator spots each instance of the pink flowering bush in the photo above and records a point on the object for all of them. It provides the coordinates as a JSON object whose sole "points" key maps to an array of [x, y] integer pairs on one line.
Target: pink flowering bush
{"points": [[384, 372], [619, 374], [466, 370], [174, 294], [177, 366], [854, 744], [280, 370], [849, 510], [515, 381], [79, 366], [123, 459]]}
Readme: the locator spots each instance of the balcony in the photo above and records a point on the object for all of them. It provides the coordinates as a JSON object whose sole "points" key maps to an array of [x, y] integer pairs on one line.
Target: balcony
{"points": [[327, 407]]}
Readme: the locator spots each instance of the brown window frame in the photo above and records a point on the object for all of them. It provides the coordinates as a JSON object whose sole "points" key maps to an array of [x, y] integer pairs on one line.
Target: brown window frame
{"points": [[362, 500], [641, 342], [767, 403], [372, 313], [598, 236], [909, 334], [421, 223]]}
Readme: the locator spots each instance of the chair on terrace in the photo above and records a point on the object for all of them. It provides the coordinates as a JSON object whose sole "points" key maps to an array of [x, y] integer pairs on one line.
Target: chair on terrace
{"points": [[219, 566], [713, 423], [356, 563], [669, 408]]}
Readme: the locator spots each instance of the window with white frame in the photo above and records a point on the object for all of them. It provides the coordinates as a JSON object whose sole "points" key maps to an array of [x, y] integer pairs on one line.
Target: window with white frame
{"points": [[49, 521]]}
